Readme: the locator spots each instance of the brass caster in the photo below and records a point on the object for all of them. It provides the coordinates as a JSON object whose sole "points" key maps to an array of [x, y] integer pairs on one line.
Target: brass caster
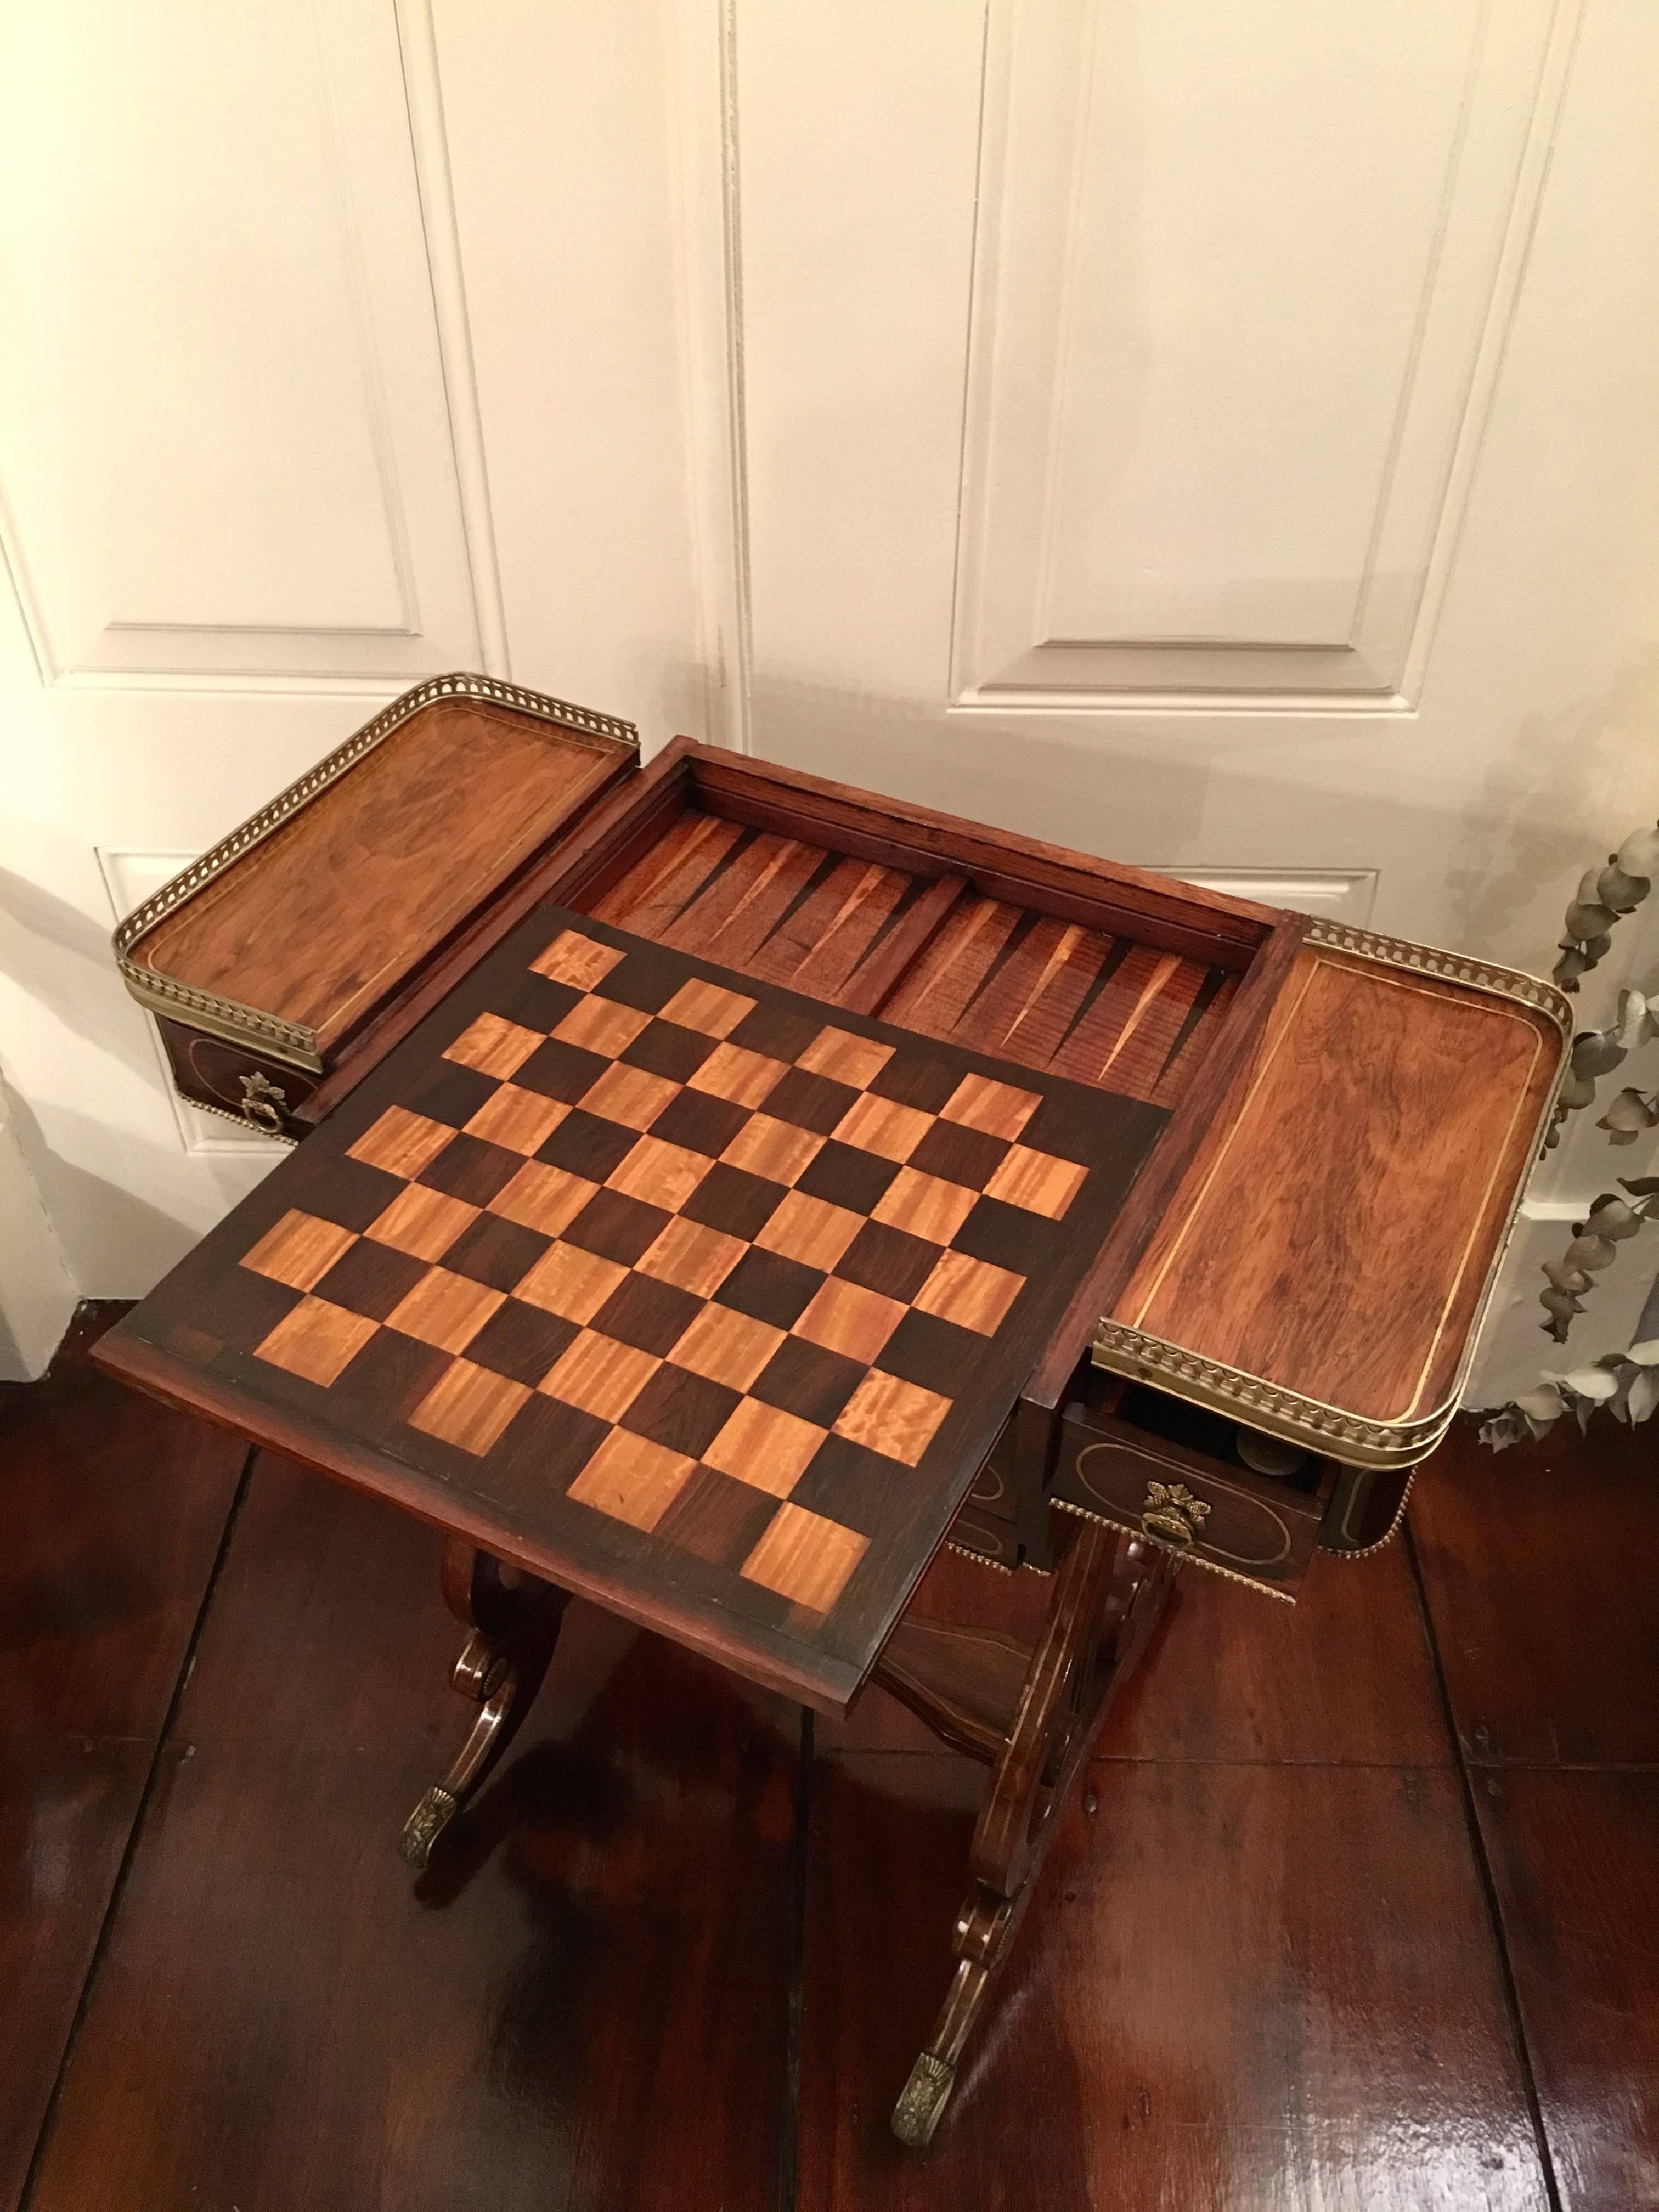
{"points": [[922, 2100], [424, 1825]]}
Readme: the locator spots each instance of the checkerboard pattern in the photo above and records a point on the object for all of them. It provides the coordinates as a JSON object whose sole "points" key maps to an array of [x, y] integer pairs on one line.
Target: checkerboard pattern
{"points": [[749, 1258]]}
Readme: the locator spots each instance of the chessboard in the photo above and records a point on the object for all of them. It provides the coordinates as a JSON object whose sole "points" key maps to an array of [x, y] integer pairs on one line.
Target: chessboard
{"points": [[699, 1297]]}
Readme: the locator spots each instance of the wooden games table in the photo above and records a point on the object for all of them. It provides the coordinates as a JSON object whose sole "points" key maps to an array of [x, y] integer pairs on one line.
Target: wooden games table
{"points": [[768, 1183]]}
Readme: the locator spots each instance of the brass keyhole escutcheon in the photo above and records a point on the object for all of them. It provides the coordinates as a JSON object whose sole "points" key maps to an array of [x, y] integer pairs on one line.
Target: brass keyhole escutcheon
{"points": [[1171, 1513]]}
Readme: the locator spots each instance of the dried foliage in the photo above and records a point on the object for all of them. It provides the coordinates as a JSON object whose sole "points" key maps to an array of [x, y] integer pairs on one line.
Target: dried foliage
{"points": [[1604, 896], [1596, 1053], [1627, 1381], [1595, 1240]]}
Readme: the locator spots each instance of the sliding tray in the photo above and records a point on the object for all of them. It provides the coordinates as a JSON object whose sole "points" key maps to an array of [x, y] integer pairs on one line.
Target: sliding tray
{"points": [[1322, 1271], [266, 958]]}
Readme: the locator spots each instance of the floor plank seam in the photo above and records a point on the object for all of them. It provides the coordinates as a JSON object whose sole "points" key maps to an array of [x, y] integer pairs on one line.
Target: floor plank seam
{"points": [[186, 1666], [1488, 1885], [1518, 1766], [789, 2154], [1220, 1759]]}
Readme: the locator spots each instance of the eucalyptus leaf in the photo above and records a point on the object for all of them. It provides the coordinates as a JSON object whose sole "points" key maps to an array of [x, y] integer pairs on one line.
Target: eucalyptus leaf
{"points": [[1640, 1185], [1593, 1253], [1592, 1383], [1643, 1393], [1596, 1051], [1635, 1024], [1639, 854], [1577, 1091], [1611, 1216], [1645, 1355], [1589, 919], [1545, 1403], [1573, 1280], [1613, 888], [1570, 967]]}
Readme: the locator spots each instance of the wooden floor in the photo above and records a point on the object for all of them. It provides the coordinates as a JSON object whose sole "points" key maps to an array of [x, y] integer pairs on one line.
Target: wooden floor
{"points": [[1361, 1908]]}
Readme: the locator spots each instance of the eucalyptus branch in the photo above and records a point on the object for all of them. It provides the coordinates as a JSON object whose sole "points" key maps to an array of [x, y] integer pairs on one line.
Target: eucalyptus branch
{"points": [[1596, 1053], [1626, 1382], [1595, 1240], [1605, 896]]}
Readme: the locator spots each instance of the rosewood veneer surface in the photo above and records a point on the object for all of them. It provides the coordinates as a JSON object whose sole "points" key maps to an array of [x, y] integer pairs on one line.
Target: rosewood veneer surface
{"points": [[1336, 1230], [322, 918]]}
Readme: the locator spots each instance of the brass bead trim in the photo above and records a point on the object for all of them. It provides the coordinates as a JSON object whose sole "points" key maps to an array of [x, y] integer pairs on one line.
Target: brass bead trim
{"points": [[1450, 967], [252, 1128], [1370, 1551], [979, 1558], [295, 1042], [1183, 1553]]}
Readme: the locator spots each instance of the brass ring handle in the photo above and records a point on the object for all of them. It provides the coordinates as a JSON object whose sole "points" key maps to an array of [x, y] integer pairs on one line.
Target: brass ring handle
{"points": [[264, 1103], [1172, 1514]]}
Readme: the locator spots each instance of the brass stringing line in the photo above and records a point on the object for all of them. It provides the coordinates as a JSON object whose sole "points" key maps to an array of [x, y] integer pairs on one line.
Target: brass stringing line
{"points": [[1256, 1082]]}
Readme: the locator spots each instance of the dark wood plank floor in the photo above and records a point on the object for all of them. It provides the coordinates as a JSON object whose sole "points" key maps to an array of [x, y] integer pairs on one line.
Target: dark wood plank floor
{"points": [[1359, 1907]]}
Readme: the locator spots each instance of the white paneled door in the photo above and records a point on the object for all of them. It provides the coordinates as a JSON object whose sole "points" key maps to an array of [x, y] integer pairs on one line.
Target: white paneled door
{"points": [[326, 362], [1218, 436]]}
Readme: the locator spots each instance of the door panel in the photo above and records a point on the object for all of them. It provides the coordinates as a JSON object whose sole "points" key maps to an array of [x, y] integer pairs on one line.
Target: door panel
{"points": [[1217, 437], [225, 451], [1212, 433], [293, 303]]}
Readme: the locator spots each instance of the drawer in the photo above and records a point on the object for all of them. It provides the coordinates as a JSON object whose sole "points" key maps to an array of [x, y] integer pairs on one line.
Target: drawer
{"points": [[1257, 1529], [228, 1079], [992, 1541], [994, 1493]]}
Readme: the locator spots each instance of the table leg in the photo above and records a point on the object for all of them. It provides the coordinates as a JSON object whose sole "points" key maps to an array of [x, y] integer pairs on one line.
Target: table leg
{"points": [[1108, 1594], [513, 1619]]}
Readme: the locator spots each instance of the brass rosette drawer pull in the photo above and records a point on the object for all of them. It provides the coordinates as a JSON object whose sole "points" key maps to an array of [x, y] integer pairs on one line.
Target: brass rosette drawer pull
{"points": [[1172, 1513], [264, 1103]]}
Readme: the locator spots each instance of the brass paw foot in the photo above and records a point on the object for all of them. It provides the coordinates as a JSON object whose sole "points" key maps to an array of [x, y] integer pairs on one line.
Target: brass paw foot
{"points": [[922, 2100], [424, 1825]]}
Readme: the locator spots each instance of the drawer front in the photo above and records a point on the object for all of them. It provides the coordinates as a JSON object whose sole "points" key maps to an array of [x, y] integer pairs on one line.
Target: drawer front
{"points": [[1259, 1532], [975, 1530], [994, 1492], [228, 1079]]}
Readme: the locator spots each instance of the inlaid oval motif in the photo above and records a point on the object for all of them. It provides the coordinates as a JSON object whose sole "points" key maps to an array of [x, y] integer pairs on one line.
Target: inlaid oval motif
{"points": [[1251, 1537]]}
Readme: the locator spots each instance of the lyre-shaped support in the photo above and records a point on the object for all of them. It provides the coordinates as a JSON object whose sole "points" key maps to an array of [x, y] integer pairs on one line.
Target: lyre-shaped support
{"points": [[514, 1619], [1108, 1594]]}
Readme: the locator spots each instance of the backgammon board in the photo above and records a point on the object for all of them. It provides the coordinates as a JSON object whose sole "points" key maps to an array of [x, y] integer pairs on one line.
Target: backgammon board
{"points": [[717, 1299]]}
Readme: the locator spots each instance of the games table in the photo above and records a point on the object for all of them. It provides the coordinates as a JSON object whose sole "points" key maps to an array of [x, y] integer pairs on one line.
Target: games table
{"points": [[719, 1188]]}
